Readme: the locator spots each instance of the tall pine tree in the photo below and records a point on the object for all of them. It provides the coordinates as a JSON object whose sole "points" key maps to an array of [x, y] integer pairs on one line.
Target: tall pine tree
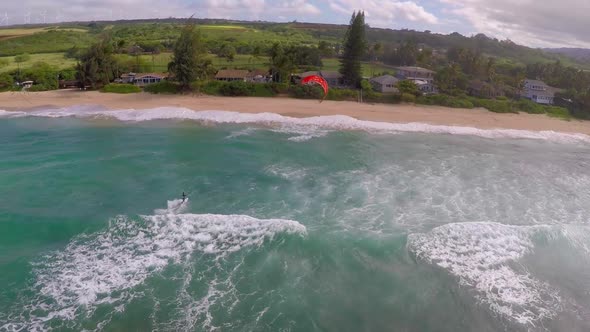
{"points": [[188, 63], [354, 50]]}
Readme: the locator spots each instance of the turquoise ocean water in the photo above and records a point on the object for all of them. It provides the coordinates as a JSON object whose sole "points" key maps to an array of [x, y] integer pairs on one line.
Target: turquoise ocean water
{"points": [[325, 224]]}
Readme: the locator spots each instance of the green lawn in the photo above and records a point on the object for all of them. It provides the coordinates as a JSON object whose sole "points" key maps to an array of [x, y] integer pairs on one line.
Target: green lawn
{"points": [[222, 27], [369, 69], [55, 59]]}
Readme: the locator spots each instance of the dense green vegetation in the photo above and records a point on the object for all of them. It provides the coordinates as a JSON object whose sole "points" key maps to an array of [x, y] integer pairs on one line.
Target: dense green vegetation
{"points": [[120, 88], [284, 48], [164, 87]]}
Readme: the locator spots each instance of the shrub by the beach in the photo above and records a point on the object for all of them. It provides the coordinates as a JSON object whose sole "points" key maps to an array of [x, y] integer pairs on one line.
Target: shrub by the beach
{"points": [[263, 90], [40, 87], [163, 87], [496, 106], [237, 89], [279, 88], [527, 106], [120, 88], [343, 95], [408, 98], [6, 82], [445, 100], [558, 112], [306, 91], [208, 87]]}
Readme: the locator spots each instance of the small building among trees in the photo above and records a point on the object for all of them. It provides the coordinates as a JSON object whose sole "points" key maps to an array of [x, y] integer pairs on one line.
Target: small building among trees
{"points": [[142, 80], [231, 75], [538, 91], [415, 73], [384, 84]]}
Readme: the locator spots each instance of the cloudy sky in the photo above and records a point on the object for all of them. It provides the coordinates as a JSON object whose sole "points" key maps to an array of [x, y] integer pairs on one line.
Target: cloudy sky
{"points": [[537, 23]]}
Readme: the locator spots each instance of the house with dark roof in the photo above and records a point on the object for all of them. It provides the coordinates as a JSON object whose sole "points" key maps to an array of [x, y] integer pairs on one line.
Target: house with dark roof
{"points": [[385, 84], [415, 73], [231, 75], [538, 91], [258, 76]]}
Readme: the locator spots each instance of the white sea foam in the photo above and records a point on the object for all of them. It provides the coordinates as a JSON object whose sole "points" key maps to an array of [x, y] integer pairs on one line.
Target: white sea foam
{"points": [[483, 256], [333, 122], [103, 268]]}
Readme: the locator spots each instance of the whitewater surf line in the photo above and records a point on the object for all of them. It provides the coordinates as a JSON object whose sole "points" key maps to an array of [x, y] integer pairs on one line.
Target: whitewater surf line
{"points": [[297, 125]]}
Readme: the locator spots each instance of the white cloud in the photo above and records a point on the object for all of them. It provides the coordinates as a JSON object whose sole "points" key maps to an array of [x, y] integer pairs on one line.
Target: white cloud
{"points": [[75, 10], [535, 23], [385, 13]]}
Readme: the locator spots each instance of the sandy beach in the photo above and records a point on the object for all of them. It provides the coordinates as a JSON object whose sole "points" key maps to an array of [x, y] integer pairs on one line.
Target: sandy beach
{"points": [[478, 118]]}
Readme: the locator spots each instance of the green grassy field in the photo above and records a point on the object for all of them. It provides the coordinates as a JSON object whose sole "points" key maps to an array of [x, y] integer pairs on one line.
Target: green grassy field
{"points": [[369, 69], [222, 27], [55, 59], [6, 33]]}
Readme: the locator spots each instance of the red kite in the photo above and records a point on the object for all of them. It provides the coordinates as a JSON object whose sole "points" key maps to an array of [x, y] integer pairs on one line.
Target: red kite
{"points": [[315, 79]]}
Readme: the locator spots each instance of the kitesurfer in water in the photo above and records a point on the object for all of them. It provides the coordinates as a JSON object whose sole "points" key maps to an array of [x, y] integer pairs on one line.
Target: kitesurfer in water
{"points": [[183, 197]]}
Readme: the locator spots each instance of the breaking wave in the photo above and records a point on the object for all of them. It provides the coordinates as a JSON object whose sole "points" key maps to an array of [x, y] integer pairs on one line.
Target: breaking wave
{"points": [[486, 258], [106, 267], [307, 128]]}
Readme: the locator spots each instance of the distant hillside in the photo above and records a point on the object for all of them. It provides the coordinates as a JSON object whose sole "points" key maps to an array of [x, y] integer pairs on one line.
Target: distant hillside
{"points": [[247, 36], [582, 54]]}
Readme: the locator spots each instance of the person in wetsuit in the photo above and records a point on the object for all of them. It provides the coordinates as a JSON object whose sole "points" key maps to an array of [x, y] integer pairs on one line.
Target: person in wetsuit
{"points": [[183, 197]]}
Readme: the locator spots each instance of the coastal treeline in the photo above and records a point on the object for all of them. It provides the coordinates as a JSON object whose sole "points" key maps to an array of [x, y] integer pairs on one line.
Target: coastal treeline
{"points": [[192, 53]]}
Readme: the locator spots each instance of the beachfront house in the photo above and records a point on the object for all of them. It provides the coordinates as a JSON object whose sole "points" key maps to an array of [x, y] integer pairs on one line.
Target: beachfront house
{"points": [[258, 76], [385, 84], [27, 85], [422, 77], [232, 75], [415, 73], [142, 80], [538, 91], [333, 78]]}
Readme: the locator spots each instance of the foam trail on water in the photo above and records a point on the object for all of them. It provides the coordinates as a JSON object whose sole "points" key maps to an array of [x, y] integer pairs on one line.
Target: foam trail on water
{"points": [[481, 255], [334, 122], [105, 267]]}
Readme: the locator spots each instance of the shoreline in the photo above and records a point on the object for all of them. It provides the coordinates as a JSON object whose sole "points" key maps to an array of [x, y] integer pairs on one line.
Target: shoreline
{"points": [[297, 108]]}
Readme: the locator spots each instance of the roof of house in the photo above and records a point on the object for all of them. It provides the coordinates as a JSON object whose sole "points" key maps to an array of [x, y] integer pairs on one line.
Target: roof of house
{"points": [[385, 79], [330, 74], [258, 72], [536, 82], [417, 69], [158, 75], [418, 81], [308, 73], [232, 73]]}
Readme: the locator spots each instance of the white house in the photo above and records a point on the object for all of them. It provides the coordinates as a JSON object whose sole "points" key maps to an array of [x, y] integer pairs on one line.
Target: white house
{"points": [[538, 91], [147, 79], [415, 73], [384, 84], [425, 86]]}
